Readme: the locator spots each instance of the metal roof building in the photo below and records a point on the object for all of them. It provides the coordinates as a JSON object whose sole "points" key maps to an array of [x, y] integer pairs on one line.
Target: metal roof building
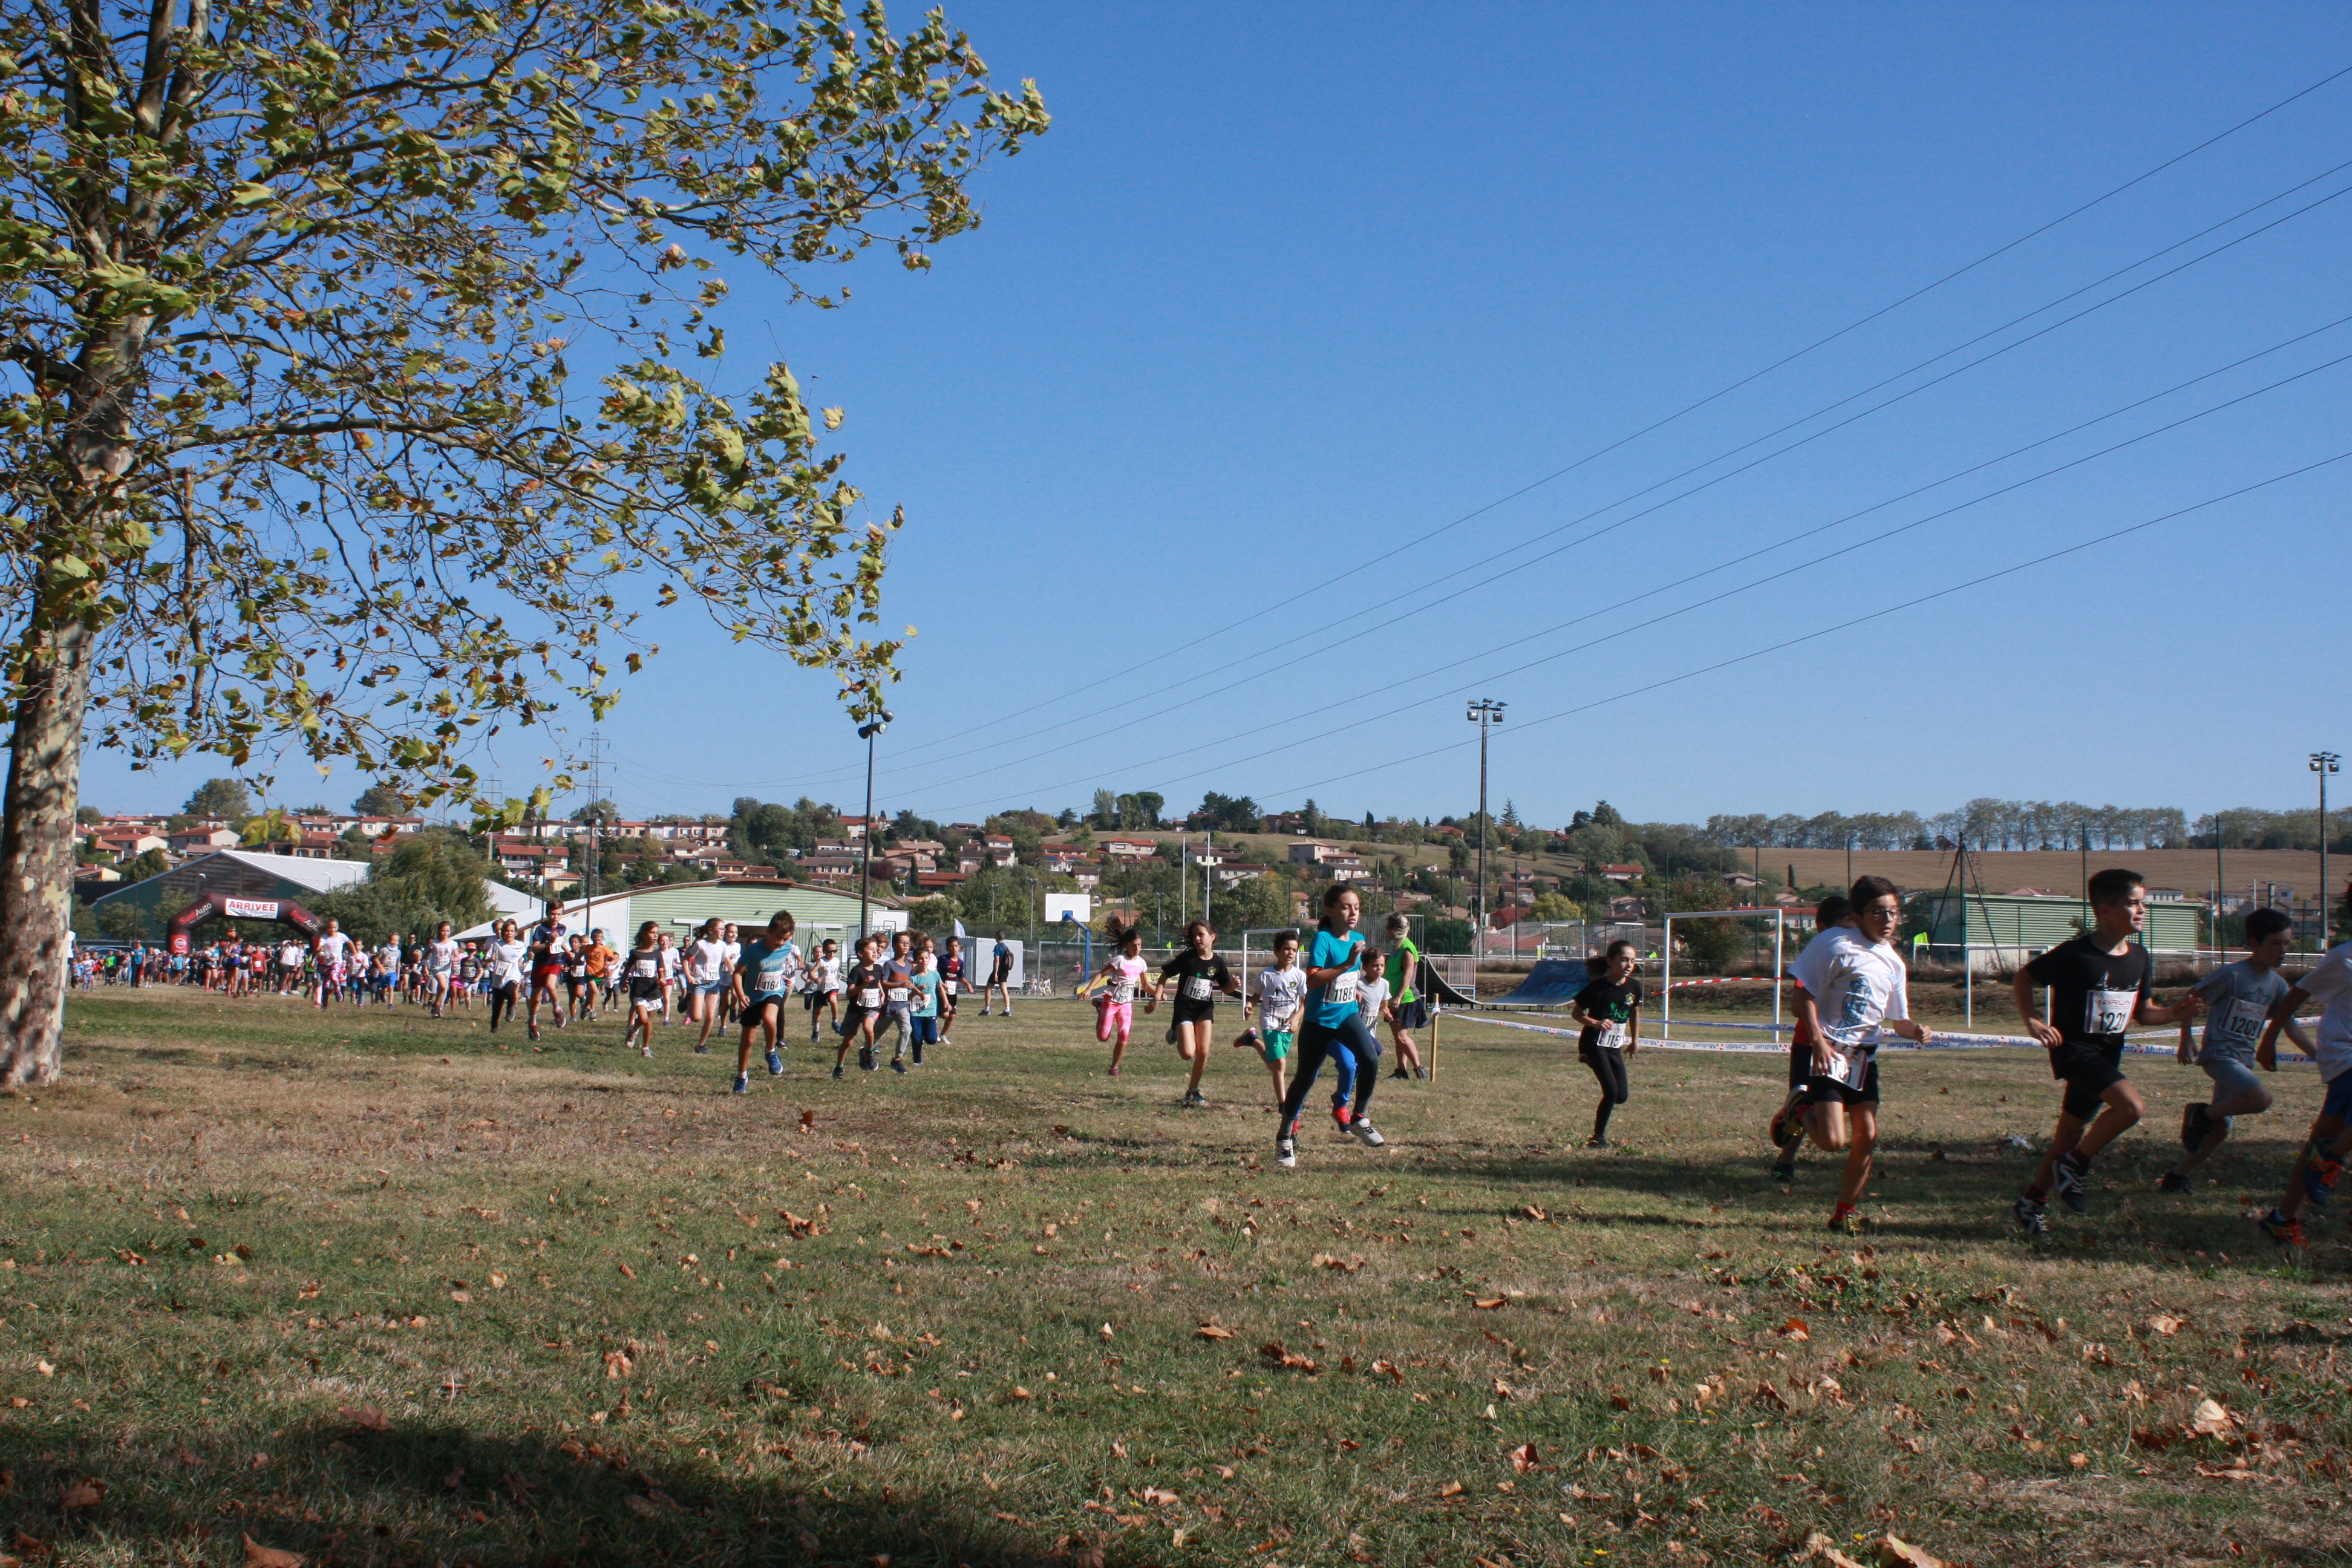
{"points": [[2012, 924], [679, 907]]}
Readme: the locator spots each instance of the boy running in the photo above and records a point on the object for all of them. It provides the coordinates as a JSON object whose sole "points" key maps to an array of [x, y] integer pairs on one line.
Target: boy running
{"points": [[864, 1006], [897, 998], [2098, 988], [2238, 1000], [1787, 1129], [1281, 1005], [2320, 1161], [1335, 1029], [763, 980], [824, 987], [924, 984], [1608, 1009], [950, 987], [1857, 992]]}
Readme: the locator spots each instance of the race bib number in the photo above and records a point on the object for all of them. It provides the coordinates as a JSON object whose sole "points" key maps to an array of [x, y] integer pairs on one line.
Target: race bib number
{"points": [[2108, 1012], [1613, 1037], [773, 981], [1850, 1069], [1342, 988], [950, 987], [1198, 988], [898, 994], [643, 968], [2245, 1021], [870, 998], [1121, 990]]}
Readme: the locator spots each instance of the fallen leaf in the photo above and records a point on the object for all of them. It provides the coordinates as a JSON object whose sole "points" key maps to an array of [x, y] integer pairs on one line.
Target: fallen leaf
{"points": [[1019, 1392], [366, 1415], [1289, 1361], [1450, 1489], [259, 1556], [1523, 1457], [1487, 1303], [1795, 1329], [1618, 1401], [1214, 1331], [808, 1121], [1159, 1497], [2211, 1419], [2165, 1325], [1895, 1552], [1533, 1213], [82, 1494], [45, 1369], [629, 1272], [618, 1364]]}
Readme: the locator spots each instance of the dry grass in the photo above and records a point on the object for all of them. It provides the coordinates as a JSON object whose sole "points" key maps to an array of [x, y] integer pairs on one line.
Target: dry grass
{"points": [[384, 1292]]}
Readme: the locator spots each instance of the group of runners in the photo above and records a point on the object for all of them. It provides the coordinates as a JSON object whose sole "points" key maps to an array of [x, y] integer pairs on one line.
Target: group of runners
{"points": [[2077, 1000]]}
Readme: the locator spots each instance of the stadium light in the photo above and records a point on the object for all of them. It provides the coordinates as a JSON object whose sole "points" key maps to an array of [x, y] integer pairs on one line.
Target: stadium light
{"points": [[2324, 763], [1485, 713]]}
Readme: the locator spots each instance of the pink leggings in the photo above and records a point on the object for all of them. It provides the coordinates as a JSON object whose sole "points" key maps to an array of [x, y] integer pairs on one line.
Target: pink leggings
{"points": [[1120, 1013]]}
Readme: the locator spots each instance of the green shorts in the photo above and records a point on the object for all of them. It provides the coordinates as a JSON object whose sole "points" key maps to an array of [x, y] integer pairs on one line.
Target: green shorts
{"points": [[1274, 1045]]}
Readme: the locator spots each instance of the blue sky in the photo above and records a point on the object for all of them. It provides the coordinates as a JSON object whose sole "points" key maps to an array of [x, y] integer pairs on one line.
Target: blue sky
{"points": [[1289, 287]]}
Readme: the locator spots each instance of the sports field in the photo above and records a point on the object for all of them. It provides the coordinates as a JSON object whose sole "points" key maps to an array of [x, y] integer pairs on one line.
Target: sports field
{"points": [[372, 1289]]}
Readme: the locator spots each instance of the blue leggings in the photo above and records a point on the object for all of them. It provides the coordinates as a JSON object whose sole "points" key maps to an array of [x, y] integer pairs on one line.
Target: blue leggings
{"points": [[1355, 1055]]}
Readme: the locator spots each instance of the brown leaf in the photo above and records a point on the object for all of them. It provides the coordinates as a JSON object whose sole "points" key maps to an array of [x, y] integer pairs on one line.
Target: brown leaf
{"points": [[259, 1556], [1290, 1361], [1896, 1552], [1159, 1497], [1214, 1331], [1533, 1213], [629, 1272], [366, 1415], [1489, 1303], [82, 1494], [2165, 1325], [1795, 1329], [2211, 1419], [618, 1364], [1450, 1489], [808, 1121], [1523, 1457], [1766, 1394], [1618, 1401]]}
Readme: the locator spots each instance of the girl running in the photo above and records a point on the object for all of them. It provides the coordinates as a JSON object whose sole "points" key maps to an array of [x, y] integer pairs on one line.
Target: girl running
{"points": [[898, 997], [508, 957], [925, 985], [440, 966], [1121, 972], [1334, 1028], [641, 970], [333, 952], [1198, 975], [1609, 1010], [1281, 1005], [708, 973], [950, 987], [864, 1006], [732, 939], [764, 976], [549, 943]]}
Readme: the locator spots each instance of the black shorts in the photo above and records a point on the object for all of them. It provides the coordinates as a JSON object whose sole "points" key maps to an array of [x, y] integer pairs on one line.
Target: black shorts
{"points": [[2088, 1071], [1409, 1016], [1800, 1065], [1829, 1090], [1190, 1012], [645, 990]]}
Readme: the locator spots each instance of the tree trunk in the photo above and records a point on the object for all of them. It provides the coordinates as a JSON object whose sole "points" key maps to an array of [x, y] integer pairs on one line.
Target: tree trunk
{"points": [[36, 847]]}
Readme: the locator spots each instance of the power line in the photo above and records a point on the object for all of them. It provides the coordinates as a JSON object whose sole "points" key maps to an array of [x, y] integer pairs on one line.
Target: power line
{"points": [[1316, 632], [1690, 407], [1485, 681]]}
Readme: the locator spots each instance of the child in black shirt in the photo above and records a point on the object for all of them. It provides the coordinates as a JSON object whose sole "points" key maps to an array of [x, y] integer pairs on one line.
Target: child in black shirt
{"points": [[1609, 1008]]}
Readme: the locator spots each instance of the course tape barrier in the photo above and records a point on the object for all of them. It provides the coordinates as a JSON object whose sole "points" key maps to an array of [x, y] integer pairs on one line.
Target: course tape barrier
{"points": [[1944, 1040]]}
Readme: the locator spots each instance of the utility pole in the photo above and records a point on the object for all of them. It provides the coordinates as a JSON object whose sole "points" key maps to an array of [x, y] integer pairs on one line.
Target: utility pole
{"points": [[1485, 714], [595, 819], [2324, 763]]}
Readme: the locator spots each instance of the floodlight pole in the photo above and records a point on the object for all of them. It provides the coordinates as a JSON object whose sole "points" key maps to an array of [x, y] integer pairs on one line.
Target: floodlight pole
{"points": [[1484, 714], [2324, 763], [868, 731]]}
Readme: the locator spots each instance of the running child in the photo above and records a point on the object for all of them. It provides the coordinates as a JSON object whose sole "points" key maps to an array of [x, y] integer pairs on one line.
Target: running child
{"points": [[641, 971], [708, 973], [1120, 975], [1856, 993], [1787, 1131], [2098, 988], [1372, 991], [334, 949], [548, 943], [824, 987], [897, 998], [440, 966], [1407, 1011], [924, 988], [599, 969], [2239, 998], [1000, 976], [1333, 1029], [1609, 1010], [950, 987], [1198, 974], [764, 975], [1281, 1008], [2319, 1163], [864, 991]]}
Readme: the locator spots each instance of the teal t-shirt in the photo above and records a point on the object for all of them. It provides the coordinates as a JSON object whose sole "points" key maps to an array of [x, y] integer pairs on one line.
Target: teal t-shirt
{"points": [[768, 971], [927, 994], [1336, 1009]]}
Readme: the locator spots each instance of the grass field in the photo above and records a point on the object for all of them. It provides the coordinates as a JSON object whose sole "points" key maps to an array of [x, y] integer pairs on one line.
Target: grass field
{"points": [[387, 1291]]}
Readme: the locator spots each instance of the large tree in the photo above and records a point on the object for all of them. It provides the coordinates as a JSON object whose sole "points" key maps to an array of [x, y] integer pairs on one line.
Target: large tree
{"points": [[292, 450]]}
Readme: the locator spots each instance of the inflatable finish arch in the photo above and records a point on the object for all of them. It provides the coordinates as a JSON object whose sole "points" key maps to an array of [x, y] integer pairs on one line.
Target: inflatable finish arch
{"points": [[237, 909]]}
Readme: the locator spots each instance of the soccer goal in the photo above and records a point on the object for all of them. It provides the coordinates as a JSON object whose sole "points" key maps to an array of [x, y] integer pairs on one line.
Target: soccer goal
{"points": [[1667, 947]]}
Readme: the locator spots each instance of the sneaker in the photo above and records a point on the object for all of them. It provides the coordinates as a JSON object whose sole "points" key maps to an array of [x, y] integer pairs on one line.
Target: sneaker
{"points": [[1341, 1114], [945, 1041], [1786, 1170], [983, 1011], [1421, 1073], [1365, 1133], [836, 1070], [1111, 1072], [1196, 1101], [1846, 1220], [918, 1053], [2032, 1218], [2320, 1176], [1008, 1012], [2287, 1232], [2196, 1120], [866, 1062], [2071, 1184], [2174, 1182], [1596, 1142], [1400, 1073], [648, 1048], [1286, 1150], [742, 1083], [812, 1033], [775, 1063], [898, 1065], [700, 1050]]}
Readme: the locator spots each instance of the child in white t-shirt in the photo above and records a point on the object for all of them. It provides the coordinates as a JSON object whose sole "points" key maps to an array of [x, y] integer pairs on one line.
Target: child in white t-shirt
{"points": [[1281, 994], [1372, 991]]}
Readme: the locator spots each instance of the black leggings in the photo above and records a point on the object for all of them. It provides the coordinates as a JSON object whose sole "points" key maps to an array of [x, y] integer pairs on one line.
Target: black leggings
{"points": [[505, 1001], [1608, 1067], [1314, 1042]]}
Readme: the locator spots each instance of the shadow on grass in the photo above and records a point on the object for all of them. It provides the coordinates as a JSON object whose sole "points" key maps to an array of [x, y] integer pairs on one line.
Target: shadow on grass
{"points": [[340, 1493]]}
